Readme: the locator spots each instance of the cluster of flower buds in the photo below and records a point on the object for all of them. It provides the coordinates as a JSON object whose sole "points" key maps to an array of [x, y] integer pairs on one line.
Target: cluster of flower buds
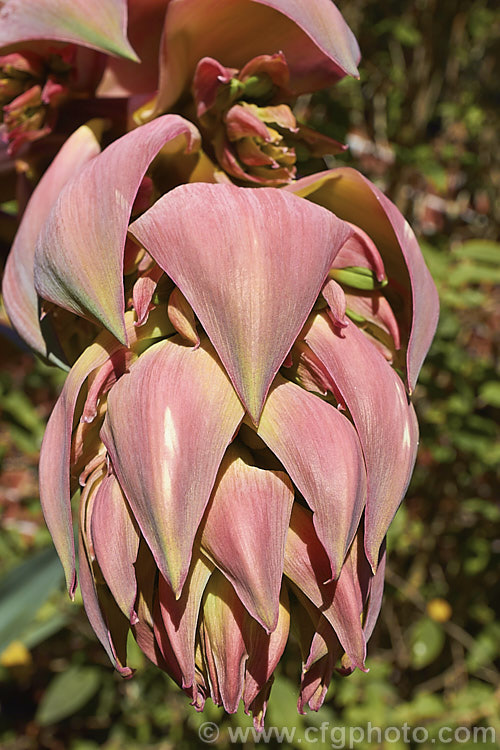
{"points": [[241, 345], [32, 88], [252, 130]]}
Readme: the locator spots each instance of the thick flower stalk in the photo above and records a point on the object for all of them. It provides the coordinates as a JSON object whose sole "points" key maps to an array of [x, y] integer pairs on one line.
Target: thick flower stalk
{"points": [[241, 431]]}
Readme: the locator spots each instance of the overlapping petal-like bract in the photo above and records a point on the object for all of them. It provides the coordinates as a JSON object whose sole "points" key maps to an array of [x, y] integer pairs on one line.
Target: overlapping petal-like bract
{"points": [[82, 271], [296, 426], [56, 454], [18, 290], [385, 421], [264, 507], [56, 53], [350, 195], [169, 500], [255, 316]]}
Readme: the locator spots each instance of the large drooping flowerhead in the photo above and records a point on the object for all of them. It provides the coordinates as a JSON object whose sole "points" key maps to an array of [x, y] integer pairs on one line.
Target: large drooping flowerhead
{"points": [[241, 431]]}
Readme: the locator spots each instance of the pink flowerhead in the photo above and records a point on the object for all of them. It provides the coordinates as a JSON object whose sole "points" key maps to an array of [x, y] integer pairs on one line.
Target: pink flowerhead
{"points": [[242, 434]]}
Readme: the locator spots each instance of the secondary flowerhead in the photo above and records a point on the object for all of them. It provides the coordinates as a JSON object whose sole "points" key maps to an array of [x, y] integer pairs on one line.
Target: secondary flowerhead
{"points": [[53, 52], [247, 118], [33, 87]]}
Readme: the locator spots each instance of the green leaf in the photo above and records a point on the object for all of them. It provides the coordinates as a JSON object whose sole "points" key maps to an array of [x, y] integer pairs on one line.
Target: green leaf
{"points": [[282, 713], [426, 640], [467, 273], [407, 34], [67, 693], [20, 408], [24, 590], [484, 508], [484, 251], [41, 631], [486, 647], [9, 207], [490, 393]]}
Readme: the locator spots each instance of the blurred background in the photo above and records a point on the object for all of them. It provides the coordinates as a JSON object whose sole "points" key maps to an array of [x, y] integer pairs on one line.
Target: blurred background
{"points": [[423, 124]]}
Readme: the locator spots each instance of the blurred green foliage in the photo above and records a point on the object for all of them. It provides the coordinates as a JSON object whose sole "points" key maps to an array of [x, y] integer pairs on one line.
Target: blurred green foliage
{"points": [[421, 122]]}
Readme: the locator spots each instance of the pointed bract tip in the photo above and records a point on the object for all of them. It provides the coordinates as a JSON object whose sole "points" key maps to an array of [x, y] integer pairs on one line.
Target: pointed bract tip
{"points": [[126, 51], [267, 623], [373, 566], [254, 415], [373, 560], [125, 672], [97, 24], [115, 324], [176, 580], [122, 336], [72, 584]]}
